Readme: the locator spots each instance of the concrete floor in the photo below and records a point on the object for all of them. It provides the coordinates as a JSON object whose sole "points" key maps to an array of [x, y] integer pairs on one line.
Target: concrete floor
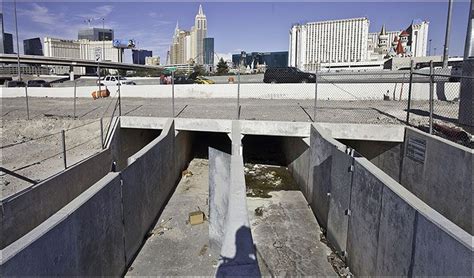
{"points": [[287, 236], [176, 248]]}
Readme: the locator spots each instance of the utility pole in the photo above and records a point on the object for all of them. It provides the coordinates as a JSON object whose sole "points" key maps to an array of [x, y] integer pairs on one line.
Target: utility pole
{"points": [[446, 38], [17, 43], [466, 96]]}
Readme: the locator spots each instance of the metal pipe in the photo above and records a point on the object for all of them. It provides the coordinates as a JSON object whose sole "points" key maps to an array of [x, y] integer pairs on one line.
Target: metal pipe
{"points": [[17, 43], [75, 98], [409, 92], [27, 104], [63, 133], [238, 94], [446, 38], [102, 133], [431, 96], [172, 92], [315, 94]]}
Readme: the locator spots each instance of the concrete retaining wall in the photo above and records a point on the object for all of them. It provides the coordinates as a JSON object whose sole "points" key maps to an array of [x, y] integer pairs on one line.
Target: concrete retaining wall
{"points": [[25, 210], [99, 232], [85, 238], [442, 177], [378, 226], [336, 91], [148, 180], [317, 192], [296, 152]]}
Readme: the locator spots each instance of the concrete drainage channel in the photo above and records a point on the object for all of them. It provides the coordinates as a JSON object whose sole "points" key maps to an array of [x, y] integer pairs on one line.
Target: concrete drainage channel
{"points": [[267, 191]]}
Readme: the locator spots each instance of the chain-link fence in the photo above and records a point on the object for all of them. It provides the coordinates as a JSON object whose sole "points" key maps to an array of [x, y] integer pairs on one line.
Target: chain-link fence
{"points": [[434, 107]]}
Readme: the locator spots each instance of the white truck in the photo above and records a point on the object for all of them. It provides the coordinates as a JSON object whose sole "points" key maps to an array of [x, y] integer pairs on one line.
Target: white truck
{"points": [[112, 80]]}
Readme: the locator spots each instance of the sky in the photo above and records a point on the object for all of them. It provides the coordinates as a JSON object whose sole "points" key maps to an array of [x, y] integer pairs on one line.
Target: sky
{"points": [[235, 26]]}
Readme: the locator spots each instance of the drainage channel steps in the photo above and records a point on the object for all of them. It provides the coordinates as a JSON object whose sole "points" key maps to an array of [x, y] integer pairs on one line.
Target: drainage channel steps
{"points": [[284, 229]]}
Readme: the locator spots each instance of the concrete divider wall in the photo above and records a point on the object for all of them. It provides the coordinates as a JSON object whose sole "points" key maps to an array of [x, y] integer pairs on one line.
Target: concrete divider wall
{"points": [[84, 238], [297, 152], [148, 180], [219, 182], [335, 91], [442, 176], [238, 256], [317, 192], [24, 211]]}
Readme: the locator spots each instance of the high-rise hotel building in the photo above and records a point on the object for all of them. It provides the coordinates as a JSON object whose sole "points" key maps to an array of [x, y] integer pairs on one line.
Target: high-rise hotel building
{"points": [[188, 46], [331, 41]]}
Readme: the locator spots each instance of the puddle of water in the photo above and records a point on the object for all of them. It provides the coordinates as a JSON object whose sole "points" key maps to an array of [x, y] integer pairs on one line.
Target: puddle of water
{"points": [[261, 179]]}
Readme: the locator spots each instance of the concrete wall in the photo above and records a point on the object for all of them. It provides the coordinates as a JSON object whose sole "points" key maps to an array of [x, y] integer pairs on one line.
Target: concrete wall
{"points": [[22, 212], [296, 152], [84, 238], [219, 182], [385, 155], [378, 226], [238, 256], [336, 91], [100, 231], [443, 178], [320, 169], [148, 180]]}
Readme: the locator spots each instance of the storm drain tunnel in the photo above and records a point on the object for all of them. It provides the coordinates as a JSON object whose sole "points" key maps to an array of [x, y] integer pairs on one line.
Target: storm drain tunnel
{"points": [[187, 202]]}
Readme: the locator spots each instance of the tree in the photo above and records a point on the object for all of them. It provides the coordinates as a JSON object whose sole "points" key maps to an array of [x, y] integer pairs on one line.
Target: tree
{"points": [[222, 67], [199, 69]]}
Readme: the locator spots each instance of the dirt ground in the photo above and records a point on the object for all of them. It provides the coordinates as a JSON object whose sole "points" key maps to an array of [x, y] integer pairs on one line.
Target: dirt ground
{"points": [[32, 150]]}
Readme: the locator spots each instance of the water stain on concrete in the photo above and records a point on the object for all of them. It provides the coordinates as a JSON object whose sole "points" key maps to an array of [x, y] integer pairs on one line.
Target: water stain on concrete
{"points": [[261, 179]]}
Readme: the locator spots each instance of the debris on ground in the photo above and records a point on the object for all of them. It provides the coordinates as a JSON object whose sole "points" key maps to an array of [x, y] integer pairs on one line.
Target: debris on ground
{"points": [[203, 250], [161, 228], [259, 211], [186, 173], [196, 217]]}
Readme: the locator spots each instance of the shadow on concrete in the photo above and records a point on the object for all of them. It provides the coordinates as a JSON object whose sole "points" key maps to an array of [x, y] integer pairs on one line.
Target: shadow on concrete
{"points": [[424, 113], [16, 175], [245, 261]]}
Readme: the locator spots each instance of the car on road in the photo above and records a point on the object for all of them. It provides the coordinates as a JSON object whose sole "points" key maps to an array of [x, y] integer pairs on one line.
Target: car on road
{"points": [[193, 78], [38, 83], [288, 75], [16, 83], [111, 80]]}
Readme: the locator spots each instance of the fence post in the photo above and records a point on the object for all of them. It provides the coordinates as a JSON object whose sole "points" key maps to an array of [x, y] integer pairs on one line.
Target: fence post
{"points": [[27, 104], [409, 92], [75, 99], [63, 135], [315, 93], [102, 133], [172, 93], [238, 94], [119, 100], [431, 96]]}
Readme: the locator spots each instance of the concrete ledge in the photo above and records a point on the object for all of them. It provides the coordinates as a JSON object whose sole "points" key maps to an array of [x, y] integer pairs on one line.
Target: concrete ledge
{"points": [[22, 212], [84, 238], [368, 132]]}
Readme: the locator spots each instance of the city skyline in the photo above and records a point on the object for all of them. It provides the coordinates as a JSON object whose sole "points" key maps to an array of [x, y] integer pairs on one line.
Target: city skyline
{"points": [[252, 26]]}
